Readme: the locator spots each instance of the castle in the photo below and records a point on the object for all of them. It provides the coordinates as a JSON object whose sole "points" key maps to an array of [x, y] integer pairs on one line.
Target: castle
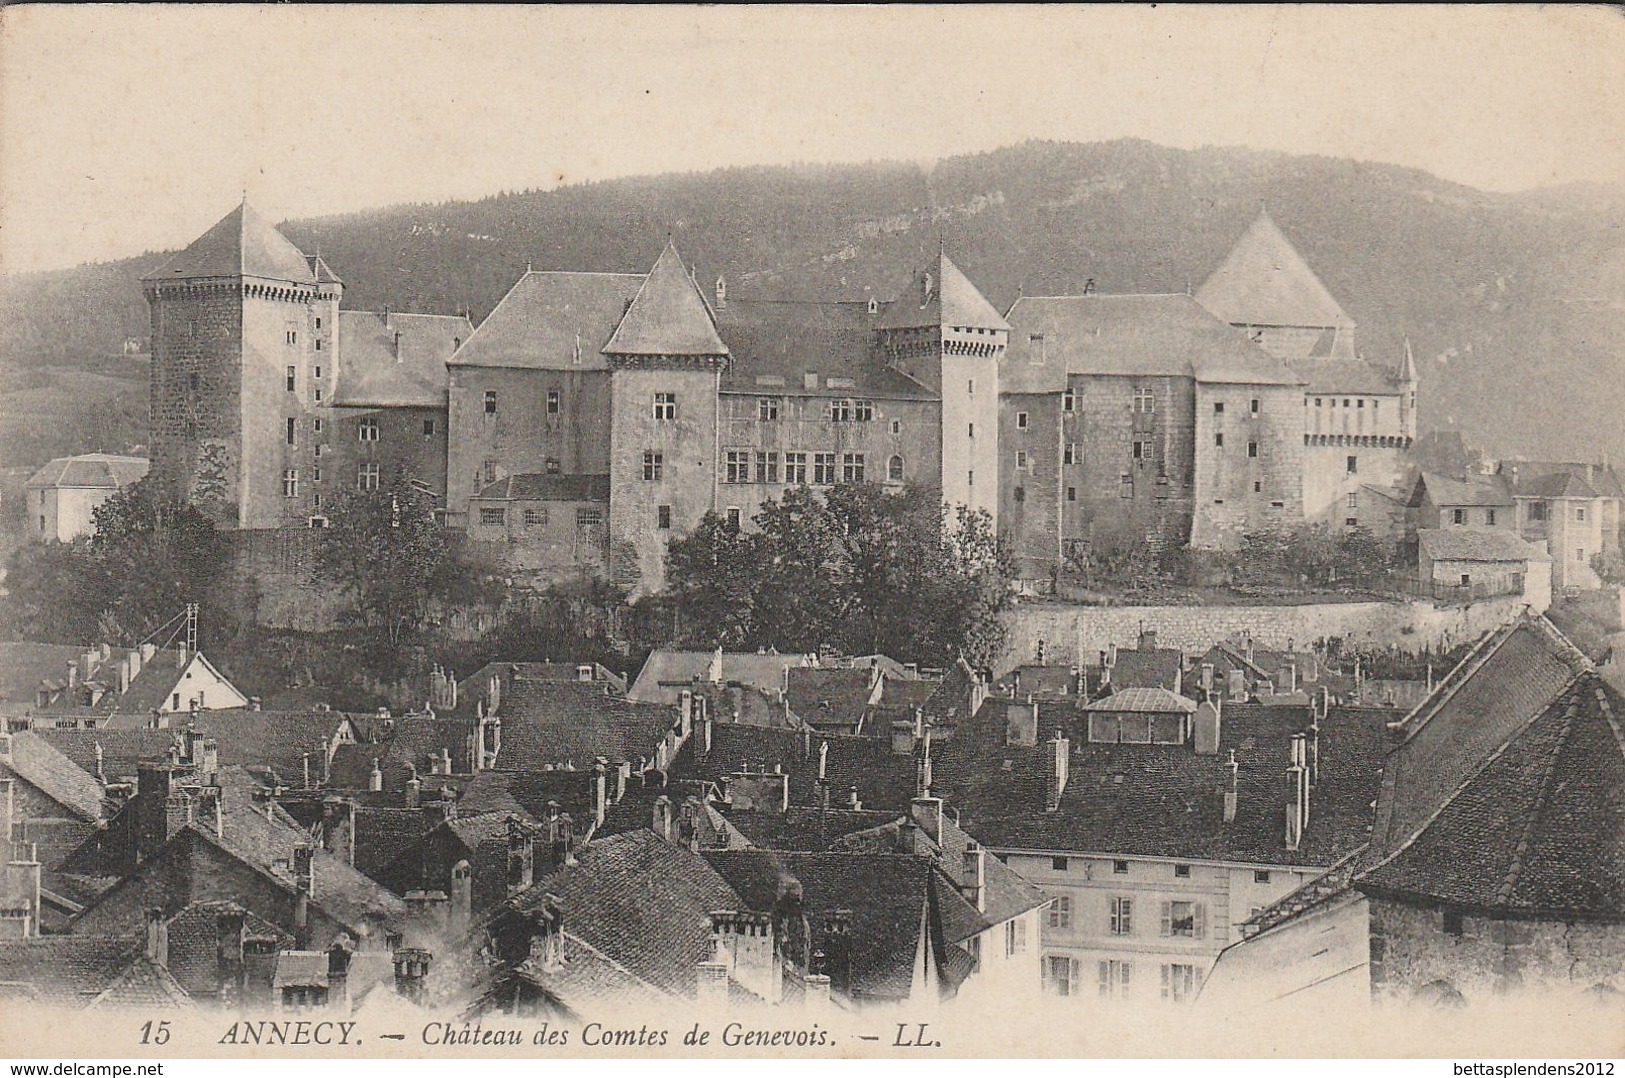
{"points": [[592, 416]]}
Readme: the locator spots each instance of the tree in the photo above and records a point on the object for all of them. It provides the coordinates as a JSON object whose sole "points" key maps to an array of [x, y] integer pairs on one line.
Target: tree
{"points": [[384, 548]]}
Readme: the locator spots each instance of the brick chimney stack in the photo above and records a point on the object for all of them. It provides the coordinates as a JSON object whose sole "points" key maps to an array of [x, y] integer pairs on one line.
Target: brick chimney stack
{"points": [[1230, 791], [974, 886]]}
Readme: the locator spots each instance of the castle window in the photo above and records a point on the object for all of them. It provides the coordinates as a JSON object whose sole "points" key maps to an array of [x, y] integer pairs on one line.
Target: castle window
{"points": [[318, 322], [894, 469], [316, 425], [795, 468], [852, 468], [318, 371], [428, 428], [318, 392], [738, 466], [290, 483], [735, 517], [970, 430], [1361, 403], [1351, 522], [970, 478], [1125, 486], [552, 402], [1021, 494], [1354, 501], [1145, 401], [1453, 923], [293, 336], [1537, 510], [1277, 505], [1021, 460], [366, 478], [970, 387], [663, 517], [824, 469], [493, 515], [1069, 400], [1218, 439], [767, 466], [490, 471], [535, 516], [767, 409], [1258, 486], [1073, 453], [318, 344], [1345, 402], [490, 402], [1071, 494], [840, 411], [897, 426], [1021, 420], [1036, 342], [863, 411], [367, 430], [665, 406], [1318, 402], [1580, 513], [1141, 450], [1458, 516], [316, 477], [1489, 516], [291, 375], [1252, 406], [1252, 449], [1354, 465], [1218, 407], [654, 464], [293, 431]]}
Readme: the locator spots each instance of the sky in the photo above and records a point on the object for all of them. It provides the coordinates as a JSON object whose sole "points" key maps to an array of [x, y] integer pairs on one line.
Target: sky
{"points": [[132, 128]]}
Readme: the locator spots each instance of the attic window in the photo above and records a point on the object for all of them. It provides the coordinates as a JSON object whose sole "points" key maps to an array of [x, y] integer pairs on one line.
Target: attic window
{"points": [[1182, 871], [1120, 868]]}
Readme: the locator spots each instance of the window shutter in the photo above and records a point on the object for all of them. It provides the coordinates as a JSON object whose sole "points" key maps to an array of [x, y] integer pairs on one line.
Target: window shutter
{"points": [[1166, 974], [1021, 936], [1128, 968], [1167, 919], [1201, 920]]}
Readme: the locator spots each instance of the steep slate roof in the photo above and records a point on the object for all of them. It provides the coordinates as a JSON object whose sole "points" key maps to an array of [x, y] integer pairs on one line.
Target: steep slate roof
{"points": [[1264, 281], [54, 774], [144, 985], [97, 470], [370, 373], [1151, 668], [241, 244], [640, 901], [1477, 544], [553, 722], [551, 321], [952, 302], [1167, 335], [889, 895], [586, 982], [883, 779], [540, 487], [1600, 477], [1556, 485], [668, 671], [1169, 801], [123, 751], [1472, 490], [775, 344], [280, 740], [1509, 677], [1538, 830], [384, 834], [527, 793], [1332, 375], [837, 696], [194, 936], [668, 316], [1159, 701]]}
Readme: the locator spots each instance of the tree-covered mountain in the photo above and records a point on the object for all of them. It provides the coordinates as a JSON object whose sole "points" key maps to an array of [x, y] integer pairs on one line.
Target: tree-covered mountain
{"points": [[1515, 304]]}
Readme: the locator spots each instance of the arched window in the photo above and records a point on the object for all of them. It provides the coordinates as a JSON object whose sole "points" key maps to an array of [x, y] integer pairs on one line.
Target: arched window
{"points": [[894, 470]]}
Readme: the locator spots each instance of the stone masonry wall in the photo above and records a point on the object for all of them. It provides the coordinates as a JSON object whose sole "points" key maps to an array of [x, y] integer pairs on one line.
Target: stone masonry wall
{"points": [[1074, 633]]}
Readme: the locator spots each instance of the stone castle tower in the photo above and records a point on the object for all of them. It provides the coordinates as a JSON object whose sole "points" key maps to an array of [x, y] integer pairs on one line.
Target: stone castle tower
{"points": [[243, 325], [944, 334]]}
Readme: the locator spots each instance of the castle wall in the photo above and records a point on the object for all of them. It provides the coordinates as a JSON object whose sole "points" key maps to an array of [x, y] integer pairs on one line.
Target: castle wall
{"points": [[969, 376], [1238, 490], [195, 412], [267, 405]]}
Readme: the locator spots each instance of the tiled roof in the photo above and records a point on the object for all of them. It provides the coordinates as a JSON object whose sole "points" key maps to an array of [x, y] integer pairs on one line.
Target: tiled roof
{"points": [[194, 938], [99, 470], [540, 487], [1170, 335], [589, 982], [1510, 676], [883, 779], [951, 302], [809, 830], [300, 968], [887, 894], [1600, 477], [1160, 701], [242, 244], [1167, 801], [279, 740], [668, 316], [528, 792], [668, 671], [551, 722], [1538, 830], [776, 344], [1147, 668], [395, 363], [143, 986], [1555, 485], [64, 971], [1345, 374], [1470, 490], [837, 697], [1477, 544], [642, 902], [907, 692], [25, 666], [51, 772], [383, 834], [552, 321], [1264, 281]]}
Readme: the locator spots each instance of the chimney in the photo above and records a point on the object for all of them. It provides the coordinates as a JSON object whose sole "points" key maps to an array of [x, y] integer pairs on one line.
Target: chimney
{"points": [[157, 950], [1230, 791], [521, 856], [154, 783], [375, 778], [1297, 806], [437, 810], [147, 652], [462, 899], [823, 760], [1237, 688], [662, 818], [304, 869], [974, 887], [927, 812], [685, 710], [1059, 753], [101, 776], [1207, 677], [1206, 722], [600, 789], [386, 314], [722, 294], [547, 935], [133, 660], [711, 982], [705, 733], [1148, 640], [229, 967], [1289, 677], [1314, 752], [73, 674], [902, 737], [414, 791], [397, 346], [853, 803], [445, 760], [809, 380], [411, 970]]}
